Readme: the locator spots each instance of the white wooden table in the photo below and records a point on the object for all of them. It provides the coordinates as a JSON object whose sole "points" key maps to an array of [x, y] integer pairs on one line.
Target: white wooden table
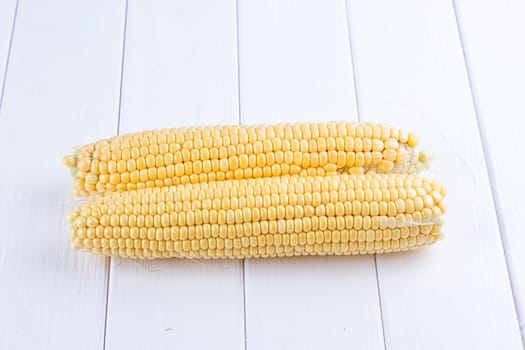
{"points": [[452, 71]]}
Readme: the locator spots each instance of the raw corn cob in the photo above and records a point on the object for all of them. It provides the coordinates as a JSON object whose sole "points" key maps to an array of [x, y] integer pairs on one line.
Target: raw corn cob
{"points": [[337, 214], [191, 155]]}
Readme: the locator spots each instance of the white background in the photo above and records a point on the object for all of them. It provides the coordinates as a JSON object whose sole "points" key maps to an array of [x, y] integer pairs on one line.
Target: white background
{"points": [[452, 71]]}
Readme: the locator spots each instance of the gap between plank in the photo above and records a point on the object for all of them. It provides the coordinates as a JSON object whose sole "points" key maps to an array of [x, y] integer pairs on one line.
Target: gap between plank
{"points": [[108, 272], [122, 65], [108, 265], [237, 25], [358, 107], [8, 54], [352, 62], [488, 167]]}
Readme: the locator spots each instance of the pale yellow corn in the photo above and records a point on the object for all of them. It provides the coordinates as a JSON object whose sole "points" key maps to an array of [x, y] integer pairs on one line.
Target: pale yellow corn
{"points": [[191, 155], [267, 217]]}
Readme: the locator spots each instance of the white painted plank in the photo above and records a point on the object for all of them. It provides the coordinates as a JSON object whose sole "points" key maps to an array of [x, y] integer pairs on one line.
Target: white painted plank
{"points": [[495, 55], [410, 72], [7, 14], [62, 91], [180, 64], [295, 62], [295, 66], [180, 69]]}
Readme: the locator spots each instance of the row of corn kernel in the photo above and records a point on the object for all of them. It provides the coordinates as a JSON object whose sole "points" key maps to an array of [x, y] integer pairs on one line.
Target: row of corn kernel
{"points": [[133, 174], [240, 248], [147, 215], [231, 232], [228, 135], [220, 147]]}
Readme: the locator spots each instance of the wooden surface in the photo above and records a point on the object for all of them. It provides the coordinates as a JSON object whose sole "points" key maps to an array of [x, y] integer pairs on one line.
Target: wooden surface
{"points": [[498, 98], [452, 71], [61, 90]]}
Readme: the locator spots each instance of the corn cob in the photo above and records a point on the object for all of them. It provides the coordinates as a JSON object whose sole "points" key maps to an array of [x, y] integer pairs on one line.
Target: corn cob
{"points": [[190, 155], [338, 214]]}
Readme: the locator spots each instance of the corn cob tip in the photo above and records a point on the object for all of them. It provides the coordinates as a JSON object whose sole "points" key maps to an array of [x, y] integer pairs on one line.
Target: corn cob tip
{"points": [[413, 140], [69, 161], [72, 215], [76, 244], [422, 161], [425, 157]]}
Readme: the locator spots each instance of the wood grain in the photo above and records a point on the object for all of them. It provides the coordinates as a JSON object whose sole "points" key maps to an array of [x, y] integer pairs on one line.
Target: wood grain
{"points": [[52, 297], [411, 72], [495, 56], [295, 66], [179, 70]]}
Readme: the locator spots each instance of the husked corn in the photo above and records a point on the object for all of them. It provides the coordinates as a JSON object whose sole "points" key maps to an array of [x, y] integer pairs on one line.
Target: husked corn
{"points": [[190, 155], [338, 214]]}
